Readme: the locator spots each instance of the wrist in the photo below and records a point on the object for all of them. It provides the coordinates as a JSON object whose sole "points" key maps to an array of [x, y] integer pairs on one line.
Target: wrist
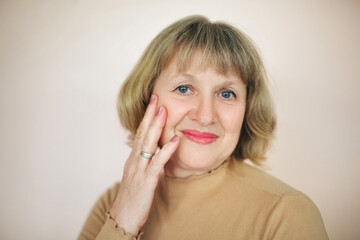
{"points": [[124, 225]]}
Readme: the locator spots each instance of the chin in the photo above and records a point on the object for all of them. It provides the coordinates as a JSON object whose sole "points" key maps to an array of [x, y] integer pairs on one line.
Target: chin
{"points": [[195, 158]]}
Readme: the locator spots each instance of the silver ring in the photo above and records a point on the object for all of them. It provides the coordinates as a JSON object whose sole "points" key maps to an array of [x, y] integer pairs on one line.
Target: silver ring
{"points": [[146, 155]]}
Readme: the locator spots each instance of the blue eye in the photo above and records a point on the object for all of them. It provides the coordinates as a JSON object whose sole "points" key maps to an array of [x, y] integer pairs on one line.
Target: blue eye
{"points": [[227, 94], [183, 89]]}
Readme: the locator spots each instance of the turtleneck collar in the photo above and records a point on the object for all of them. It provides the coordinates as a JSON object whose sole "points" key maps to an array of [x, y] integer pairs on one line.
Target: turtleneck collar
{"points": [[171, 188]]}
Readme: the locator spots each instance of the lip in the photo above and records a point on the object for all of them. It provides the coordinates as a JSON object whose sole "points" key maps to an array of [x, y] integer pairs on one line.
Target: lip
{"points": [[199, 137]]}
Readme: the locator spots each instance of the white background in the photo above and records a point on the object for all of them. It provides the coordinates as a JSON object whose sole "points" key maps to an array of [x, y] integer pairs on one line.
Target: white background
{"points": [[62, 63]]}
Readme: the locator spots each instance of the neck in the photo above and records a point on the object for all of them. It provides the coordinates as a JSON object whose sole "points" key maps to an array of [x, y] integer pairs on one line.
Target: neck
{"points": [[174, 170]]}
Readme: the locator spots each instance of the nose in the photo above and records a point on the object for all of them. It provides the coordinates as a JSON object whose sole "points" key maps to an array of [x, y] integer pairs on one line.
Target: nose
{"points": [[203, 111]]}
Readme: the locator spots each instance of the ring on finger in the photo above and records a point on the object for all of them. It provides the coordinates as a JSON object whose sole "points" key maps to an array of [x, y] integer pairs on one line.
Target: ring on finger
{"points": [[146, 155]]}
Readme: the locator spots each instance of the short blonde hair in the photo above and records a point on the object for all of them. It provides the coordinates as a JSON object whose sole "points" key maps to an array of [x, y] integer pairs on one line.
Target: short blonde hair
{"points": [[228, 50]]}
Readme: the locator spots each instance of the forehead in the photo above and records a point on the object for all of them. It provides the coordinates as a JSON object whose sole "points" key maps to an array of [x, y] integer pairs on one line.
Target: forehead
{"points": [[201, 60], [198, 62]]}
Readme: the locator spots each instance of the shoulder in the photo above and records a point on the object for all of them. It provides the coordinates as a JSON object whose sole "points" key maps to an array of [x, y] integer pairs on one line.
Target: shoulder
{"points": [[262, 187], [260, 180], [105, 201], [270, 191], [290, 213], [110, 194], [97, 216]]}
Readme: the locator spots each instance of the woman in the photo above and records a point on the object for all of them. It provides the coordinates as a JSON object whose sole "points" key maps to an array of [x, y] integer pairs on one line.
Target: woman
{"points": [[199, 93]]}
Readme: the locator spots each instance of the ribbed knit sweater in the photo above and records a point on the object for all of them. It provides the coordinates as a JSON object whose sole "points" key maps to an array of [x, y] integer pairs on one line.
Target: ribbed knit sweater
{"points": [[234, 201]]}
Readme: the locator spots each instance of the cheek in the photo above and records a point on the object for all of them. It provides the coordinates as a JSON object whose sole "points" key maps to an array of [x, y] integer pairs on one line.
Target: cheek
{"points": [[232, 119], [176, 112]]}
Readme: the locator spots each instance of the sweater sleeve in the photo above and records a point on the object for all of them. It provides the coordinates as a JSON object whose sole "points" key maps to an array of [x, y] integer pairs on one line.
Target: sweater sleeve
{"points": [[295, 216], [99, 225]]}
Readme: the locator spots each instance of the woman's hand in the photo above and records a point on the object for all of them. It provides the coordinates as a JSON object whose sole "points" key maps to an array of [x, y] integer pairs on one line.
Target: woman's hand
{"points": [[132, 205]]}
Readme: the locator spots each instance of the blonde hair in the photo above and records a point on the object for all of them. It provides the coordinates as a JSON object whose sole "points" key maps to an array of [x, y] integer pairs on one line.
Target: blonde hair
{"points": [[228, 50]]}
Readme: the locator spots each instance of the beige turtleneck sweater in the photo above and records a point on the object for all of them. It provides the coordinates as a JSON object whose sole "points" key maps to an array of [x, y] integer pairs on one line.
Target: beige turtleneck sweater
{"points": [[234, 201]]}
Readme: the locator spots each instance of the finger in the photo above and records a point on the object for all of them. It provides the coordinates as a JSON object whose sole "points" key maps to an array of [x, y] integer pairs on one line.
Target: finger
{"points": [[151, 139], [131, 163], [150, 142], [161, 158], [146, 121]]}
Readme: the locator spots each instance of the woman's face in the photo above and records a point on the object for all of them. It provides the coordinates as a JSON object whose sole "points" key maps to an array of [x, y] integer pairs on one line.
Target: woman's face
{"points": [[206, 110]]}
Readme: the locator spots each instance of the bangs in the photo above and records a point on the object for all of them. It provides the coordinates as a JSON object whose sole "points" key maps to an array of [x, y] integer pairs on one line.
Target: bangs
{"points": [[221, 61], [221, 49]]}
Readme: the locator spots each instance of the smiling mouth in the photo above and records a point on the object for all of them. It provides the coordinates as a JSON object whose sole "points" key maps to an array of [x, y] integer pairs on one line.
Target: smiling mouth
{"points": [[199, 137]]}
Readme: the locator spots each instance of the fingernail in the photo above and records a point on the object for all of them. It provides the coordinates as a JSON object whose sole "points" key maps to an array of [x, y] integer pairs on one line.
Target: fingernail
{"points": [[159, 111], [152, 99], [174, 138]]}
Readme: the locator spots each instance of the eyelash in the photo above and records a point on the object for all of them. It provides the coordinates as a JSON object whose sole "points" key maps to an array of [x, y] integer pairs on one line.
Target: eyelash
{"points": [[222, 91]]}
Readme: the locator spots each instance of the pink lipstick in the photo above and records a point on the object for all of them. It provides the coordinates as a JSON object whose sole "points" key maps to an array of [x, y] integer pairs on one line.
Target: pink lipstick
{"points": [[199, 137]]}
